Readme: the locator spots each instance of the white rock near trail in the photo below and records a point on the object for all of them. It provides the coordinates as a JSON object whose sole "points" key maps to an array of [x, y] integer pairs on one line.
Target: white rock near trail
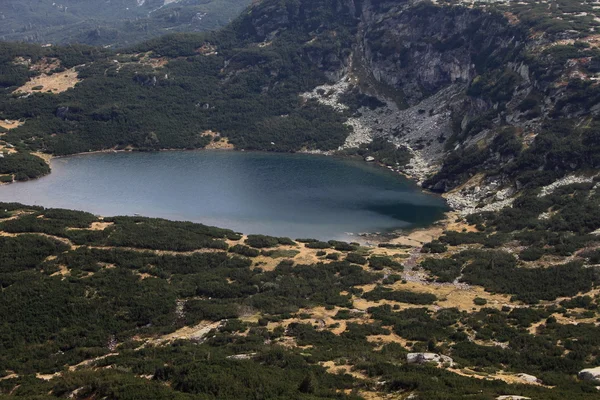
{"points": [[528, 378], [512, 397]]}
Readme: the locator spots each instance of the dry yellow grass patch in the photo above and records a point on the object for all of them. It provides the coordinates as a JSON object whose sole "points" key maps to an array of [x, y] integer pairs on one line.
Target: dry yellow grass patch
{"points": [[10, 124], [561, 319], [250, 318], [217, 141], [306, 255], [461, 226], [220, 144], [47, 377], [55, 83], [5, 149], [7, 234], [448, 296], [452, 296], [207, 49], [45, 65], [265, 263], [363, 305], [147, 59], [385, 339], [100, 226], [322, 318], [289, 342], [345, 369], [11, 375]]}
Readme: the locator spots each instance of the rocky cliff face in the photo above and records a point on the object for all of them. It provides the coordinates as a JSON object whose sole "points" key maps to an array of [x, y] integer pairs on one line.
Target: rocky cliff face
{"points": [[420, 48], [464, 89]]}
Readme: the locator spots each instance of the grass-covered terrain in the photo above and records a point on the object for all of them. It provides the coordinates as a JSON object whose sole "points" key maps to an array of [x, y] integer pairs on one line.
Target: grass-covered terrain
{"points": [[131, 307]]}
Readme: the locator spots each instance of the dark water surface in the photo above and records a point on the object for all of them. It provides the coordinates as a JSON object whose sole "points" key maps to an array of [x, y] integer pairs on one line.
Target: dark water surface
{"points": [[293, 195]]}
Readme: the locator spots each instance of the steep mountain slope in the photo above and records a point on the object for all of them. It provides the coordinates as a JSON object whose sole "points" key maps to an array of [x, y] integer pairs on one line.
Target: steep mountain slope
{"points": [[494, 105], [114, 23]]}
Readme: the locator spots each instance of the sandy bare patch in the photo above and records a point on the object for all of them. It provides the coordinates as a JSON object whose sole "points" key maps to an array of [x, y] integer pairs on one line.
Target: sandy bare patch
{"points": [[47, 377], [207, 49], [43, 156], [55, 83], [62, 271], [100, 226], [418, 237], [89, 362], [11, 375], [7, 234], [369, 395], [196, 332]]}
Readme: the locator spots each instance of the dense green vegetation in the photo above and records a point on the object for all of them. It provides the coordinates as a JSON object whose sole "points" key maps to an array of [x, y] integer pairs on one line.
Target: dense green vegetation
{"points": [[118, 23], [253, 100], [23, 166], [62, 305]]}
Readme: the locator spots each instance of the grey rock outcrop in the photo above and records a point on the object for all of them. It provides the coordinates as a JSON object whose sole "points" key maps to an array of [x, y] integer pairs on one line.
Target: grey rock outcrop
{"points": [[422, 358]]}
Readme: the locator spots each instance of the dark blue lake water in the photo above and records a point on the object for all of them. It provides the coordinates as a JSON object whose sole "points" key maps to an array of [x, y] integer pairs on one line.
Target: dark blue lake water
{"points": [[293, 195]]}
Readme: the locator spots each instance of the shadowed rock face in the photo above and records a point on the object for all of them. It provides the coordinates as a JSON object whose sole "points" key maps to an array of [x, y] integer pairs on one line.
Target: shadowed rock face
{"points": [[420, 56], [420, 49]]}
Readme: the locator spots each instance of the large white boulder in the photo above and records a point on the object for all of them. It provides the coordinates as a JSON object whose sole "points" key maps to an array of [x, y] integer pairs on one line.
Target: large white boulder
{"points": [[529, 378], [512, 397], [422, 358], [590, 374]]}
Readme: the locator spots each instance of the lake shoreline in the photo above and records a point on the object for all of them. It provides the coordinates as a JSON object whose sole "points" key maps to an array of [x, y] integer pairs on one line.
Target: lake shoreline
{"points": [[374, 236]]}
